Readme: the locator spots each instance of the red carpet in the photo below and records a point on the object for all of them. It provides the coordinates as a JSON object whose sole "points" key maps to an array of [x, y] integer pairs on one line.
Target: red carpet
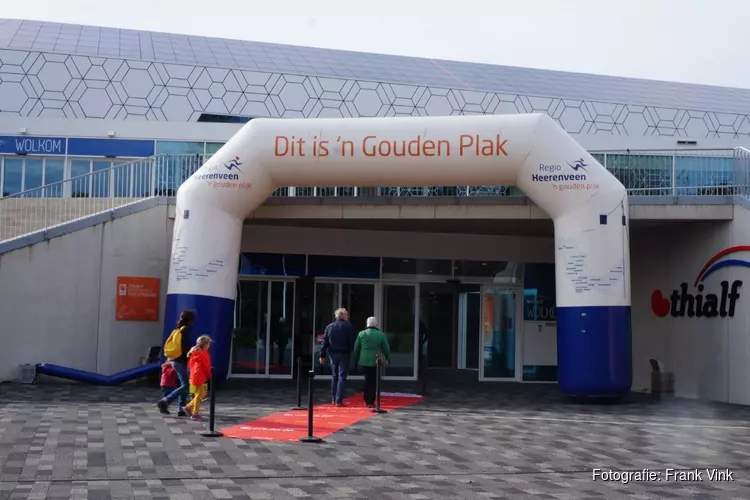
{"points": [[327, 419]]}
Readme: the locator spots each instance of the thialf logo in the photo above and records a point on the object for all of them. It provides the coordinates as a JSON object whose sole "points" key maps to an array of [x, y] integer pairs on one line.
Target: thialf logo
{"points": [[699, 301]]}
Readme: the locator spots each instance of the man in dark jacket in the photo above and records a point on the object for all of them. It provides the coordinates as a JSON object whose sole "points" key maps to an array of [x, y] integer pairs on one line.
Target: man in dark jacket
{"points": [[338, 342]]}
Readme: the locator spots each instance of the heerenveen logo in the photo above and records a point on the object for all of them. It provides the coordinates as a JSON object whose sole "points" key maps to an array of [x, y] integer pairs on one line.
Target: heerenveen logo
{"points": [[234, 164], [211, 171], [578, 165]]}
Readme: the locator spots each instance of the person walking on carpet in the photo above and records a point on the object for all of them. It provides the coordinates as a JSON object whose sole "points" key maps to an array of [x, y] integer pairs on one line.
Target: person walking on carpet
{"points": [[371, 344], [338, 341]]}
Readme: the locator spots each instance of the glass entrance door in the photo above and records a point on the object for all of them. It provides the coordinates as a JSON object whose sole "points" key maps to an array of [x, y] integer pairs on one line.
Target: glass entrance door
{"points": [[400, 323], [263, 338], [501, 310], [359, 298], [469, 323]]}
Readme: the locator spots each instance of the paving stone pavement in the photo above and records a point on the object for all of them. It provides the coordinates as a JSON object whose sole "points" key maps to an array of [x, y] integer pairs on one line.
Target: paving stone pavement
{"points": [[479, 441]]}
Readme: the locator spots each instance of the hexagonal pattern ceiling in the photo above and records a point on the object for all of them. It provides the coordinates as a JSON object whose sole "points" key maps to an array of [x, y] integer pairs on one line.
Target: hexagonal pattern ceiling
{"points": [[79, 86]]}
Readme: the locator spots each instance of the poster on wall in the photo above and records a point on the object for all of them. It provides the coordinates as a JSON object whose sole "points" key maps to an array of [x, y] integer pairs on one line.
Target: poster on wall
{"points": [[137, 299]]}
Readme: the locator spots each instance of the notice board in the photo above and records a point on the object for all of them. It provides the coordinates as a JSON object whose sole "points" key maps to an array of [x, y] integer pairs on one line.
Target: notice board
{"points": [[137, 299]]}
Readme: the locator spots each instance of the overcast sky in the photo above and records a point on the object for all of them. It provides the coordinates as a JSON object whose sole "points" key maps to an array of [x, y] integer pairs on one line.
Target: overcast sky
{"points": [[697, 41]]}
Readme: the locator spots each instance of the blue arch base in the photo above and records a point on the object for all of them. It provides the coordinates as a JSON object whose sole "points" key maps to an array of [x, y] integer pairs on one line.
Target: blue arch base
{"points": [[214, 316], [594, 351]]}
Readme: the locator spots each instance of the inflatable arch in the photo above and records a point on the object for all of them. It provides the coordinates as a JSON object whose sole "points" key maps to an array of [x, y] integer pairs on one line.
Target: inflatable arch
{"points": [[588, 205]]}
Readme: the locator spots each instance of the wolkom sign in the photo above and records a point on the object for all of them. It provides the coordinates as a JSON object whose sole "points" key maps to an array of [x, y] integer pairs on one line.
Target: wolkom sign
{"points": [[706, 298]]}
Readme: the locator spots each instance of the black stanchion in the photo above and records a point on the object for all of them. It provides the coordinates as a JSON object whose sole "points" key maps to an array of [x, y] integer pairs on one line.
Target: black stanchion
{"points": [[310, 438], [212, 432], [378, 368], [299, 386]]}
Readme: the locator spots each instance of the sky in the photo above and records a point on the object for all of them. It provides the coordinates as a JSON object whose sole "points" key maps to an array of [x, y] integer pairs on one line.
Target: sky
{"points": [[693, 41]]}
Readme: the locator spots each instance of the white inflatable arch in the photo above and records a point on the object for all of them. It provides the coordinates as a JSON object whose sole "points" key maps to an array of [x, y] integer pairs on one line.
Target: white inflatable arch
{"points": [[587, 204]]}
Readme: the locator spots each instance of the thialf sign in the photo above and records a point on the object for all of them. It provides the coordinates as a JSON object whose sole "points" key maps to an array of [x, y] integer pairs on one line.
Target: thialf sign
{"points": [[698, 301]]}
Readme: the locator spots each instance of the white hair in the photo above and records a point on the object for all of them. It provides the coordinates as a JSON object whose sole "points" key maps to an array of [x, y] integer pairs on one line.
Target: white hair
{"points": [[372, 322], [340, 313]]}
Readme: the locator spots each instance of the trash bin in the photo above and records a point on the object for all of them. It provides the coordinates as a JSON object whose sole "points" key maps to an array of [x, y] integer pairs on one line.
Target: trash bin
{"points": [[662, 383], [27, 373]]}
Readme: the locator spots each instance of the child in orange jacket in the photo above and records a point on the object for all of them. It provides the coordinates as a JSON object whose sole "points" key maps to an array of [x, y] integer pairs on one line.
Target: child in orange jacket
{"points": [[199, 364]]}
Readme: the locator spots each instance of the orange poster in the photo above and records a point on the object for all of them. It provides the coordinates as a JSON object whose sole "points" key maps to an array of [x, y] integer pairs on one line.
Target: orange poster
{"points": [[137, 299]]}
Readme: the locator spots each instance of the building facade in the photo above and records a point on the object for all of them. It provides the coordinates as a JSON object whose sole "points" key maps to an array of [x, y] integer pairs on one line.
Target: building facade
{"points": [[88, 112]]}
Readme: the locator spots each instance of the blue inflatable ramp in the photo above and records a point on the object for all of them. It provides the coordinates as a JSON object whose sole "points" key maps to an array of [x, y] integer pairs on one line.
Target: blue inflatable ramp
{"points": [[96, 378]]}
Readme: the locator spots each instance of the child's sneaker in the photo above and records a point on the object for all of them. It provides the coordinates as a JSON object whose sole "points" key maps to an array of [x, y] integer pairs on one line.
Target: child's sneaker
{"points": [[185, 412], [196, 417]]}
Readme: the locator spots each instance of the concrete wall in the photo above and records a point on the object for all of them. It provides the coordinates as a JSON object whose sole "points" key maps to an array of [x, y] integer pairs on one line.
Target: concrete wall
{"points": [[58, 298], [19, 216], [710, 356]]}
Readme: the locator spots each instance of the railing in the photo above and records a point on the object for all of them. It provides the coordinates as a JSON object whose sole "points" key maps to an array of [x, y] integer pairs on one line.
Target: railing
{"points": [[644, 173], [742, 171]]}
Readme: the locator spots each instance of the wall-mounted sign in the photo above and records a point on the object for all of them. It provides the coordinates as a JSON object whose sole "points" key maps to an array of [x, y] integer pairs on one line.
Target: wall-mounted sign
{"points": [[704, 299], [53, 146], [23, 145], [137, 299]]}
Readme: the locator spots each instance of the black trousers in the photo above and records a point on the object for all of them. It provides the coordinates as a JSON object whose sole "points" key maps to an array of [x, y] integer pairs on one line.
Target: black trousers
{"points": [[370, 374]]}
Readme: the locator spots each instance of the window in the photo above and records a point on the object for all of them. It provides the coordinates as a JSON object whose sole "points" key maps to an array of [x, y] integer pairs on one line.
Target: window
{"points": [[12, 176], [539, 295], [183, 160], [272, 264], [54, 172], [331, 266], [179, 148], [483, 269], [100, 179], [33, 175], [30, 174], [80, 180], [416, 266], [213, 147]]}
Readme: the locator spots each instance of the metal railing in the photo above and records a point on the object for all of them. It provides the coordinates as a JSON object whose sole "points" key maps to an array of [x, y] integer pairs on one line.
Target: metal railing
{"points": [[670, 173], [742, 171]]}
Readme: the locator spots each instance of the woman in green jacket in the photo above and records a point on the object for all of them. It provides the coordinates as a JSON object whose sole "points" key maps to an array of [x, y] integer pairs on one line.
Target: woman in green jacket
{"points": [[370, 343]]}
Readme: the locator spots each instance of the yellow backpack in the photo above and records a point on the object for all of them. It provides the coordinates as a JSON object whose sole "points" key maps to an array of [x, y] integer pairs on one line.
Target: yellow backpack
{"points": [[173, 345]]}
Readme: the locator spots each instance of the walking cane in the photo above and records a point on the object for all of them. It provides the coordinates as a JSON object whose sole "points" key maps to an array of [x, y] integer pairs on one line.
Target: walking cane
{"points": [[378, 367]]}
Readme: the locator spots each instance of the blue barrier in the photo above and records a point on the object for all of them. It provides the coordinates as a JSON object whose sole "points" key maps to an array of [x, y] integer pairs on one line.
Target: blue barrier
{"points": [[96, 378]]}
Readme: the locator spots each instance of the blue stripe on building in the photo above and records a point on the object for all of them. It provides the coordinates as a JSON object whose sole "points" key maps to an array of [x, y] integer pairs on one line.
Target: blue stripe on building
{"points": [[50, 146], [110, 148]]}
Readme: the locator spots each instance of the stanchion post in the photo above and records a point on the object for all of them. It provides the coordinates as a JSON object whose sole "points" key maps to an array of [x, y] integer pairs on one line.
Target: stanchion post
{"points": [[212, 432], [299, 386], [378, 367], [310, 438]]}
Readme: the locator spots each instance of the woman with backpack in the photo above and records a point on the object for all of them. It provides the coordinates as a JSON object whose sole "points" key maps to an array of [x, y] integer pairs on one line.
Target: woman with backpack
{"points": [[176, 350]]}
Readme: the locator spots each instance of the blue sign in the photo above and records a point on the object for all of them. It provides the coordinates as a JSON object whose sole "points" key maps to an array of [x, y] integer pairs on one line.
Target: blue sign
{"points": [[22, 145], [111, 148]]}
